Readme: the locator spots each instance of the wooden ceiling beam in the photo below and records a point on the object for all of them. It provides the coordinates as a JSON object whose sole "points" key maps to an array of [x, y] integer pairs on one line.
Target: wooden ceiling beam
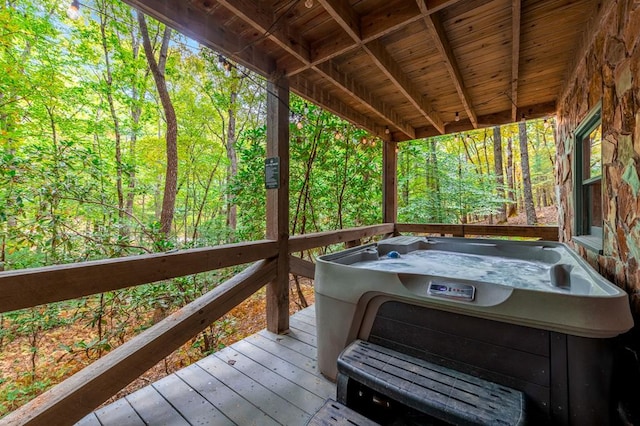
{"points": [[299, 48], [500, 118], [266, 24], [344, 15], [398, 78], [313, 93], [516, 10], [350, 85], [435, 29], [433, 6], [371, 27], [198, 25]]}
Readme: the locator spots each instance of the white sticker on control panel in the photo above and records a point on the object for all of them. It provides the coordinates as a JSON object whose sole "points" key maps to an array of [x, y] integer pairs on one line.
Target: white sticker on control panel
{"points": [[452, 290]]}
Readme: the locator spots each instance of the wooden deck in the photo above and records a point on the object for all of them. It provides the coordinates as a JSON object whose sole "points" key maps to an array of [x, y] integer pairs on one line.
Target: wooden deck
{"points": [[265, 379]]}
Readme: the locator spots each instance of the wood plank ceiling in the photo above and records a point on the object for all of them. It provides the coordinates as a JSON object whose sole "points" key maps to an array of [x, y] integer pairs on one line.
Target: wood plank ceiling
{"points": [[416, 67]]}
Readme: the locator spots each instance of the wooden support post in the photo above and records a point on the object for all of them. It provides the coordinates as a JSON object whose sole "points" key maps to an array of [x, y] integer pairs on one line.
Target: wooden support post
{"points": [[278, 202], [390, 185]]}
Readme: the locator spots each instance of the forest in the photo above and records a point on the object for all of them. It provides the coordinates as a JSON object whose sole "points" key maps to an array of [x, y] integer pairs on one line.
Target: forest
{"points": [[121, 136]]}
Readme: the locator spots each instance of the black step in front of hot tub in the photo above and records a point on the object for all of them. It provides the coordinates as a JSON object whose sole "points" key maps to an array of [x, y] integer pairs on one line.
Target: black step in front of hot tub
{"points": [[566, 378], [430, 389]]}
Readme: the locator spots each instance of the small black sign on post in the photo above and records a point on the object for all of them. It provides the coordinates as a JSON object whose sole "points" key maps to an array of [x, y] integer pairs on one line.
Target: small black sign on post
{"points": [[272, 173]]}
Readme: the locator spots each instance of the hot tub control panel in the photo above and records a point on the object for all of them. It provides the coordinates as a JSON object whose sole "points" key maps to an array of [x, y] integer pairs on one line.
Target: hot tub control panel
{"points": [[452, 290]]}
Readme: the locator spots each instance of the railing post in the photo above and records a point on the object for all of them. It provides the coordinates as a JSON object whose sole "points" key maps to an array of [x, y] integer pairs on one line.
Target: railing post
{"points": [[278, 202], [390, 184]]}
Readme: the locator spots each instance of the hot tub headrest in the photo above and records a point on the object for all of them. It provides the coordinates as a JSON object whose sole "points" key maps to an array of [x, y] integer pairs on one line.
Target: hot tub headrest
{"points": [[401, 244], [560, 275]]}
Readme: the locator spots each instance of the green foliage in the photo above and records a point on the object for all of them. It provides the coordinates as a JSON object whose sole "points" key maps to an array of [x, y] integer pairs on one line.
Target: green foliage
{"points": [[451, 178]]}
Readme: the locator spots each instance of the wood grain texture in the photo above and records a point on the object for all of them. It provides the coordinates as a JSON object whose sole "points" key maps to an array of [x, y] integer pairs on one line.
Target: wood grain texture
{"points": [[301, 267], [424, 60], [119, 413], [515, 56], [32, 287], [85, 390], [390, 182], [548, 233], [202, 27], [264, 380], [299, 243], [278, 202], [350, 84], [437, 32]]}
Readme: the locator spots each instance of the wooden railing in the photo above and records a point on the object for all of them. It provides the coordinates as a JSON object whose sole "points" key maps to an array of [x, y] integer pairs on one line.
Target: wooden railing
{"points": [[83, 392], [549, 233]]}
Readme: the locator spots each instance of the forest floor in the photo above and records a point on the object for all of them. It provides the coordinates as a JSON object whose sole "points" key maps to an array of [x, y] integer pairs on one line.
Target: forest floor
{"points": [[545, 215], [244, 320]]}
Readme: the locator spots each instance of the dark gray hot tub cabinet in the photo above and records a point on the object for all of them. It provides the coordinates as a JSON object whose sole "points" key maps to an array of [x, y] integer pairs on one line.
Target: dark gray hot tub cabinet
{"points": [[555, 346]]}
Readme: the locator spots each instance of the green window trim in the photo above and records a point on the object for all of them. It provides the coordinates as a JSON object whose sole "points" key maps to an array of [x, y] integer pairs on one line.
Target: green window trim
{"points": [[588, 220]]}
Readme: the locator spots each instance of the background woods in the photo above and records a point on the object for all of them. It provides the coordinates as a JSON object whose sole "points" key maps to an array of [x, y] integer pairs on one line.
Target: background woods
{"points": [[478, 175], [120, 137]]}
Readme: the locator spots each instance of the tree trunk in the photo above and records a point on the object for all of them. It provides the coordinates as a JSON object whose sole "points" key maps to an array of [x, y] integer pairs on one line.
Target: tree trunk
{"points": [[526, 175], [405, 183], [512, 206], [469, 157], [157, 70], [344, 183], [136, 113], [497, 167], [232, 170], [434, 185], [112, 110], [303, 197], [207, 188]]}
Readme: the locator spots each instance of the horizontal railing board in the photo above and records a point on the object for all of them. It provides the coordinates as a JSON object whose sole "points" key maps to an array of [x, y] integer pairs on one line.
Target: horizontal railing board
{"points": [[426, 228], [301, 267], [546, 232], [84, 391], [31, 287], [320, 239]]}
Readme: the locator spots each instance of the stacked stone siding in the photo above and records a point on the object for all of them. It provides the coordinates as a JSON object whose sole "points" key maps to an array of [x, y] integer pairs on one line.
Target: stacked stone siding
{"points": [[609, 72]]}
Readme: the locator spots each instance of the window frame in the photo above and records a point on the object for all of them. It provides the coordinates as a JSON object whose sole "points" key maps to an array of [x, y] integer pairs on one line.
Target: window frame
{"points": [[585, 233]]}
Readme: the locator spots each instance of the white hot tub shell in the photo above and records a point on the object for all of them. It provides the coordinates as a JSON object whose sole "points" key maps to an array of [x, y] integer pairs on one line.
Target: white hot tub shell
{"points": [[479, 306]]}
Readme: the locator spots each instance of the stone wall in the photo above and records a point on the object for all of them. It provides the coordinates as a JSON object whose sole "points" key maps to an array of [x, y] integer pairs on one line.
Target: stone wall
{"points": [[609, 72]]}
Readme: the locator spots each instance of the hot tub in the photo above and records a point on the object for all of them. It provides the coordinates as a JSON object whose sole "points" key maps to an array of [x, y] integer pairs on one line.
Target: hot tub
{"points": [[530, 315]]}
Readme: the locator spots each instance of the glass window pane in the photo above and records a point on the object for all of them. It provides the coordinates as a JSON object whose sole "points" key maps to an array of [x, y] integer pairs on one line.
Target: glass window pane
{"points": [[595, 205], [592, 154]]}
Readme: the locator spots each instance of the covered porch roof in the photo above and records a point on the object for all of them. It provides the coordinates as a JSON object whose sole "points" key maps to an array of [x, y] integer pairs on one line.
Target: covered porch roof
{"points": [[401, 69]]}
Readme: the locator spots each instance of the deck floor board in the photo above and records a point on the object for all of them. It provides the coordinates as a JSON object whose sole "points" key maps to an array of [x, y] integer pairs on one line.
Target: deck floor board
{"points": [[89, 420], [265, 379], [119, 412], [193, 407], [304, 326], [302, 335], [153, 408], [237, 409], [307, 319], [290, 342]]}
